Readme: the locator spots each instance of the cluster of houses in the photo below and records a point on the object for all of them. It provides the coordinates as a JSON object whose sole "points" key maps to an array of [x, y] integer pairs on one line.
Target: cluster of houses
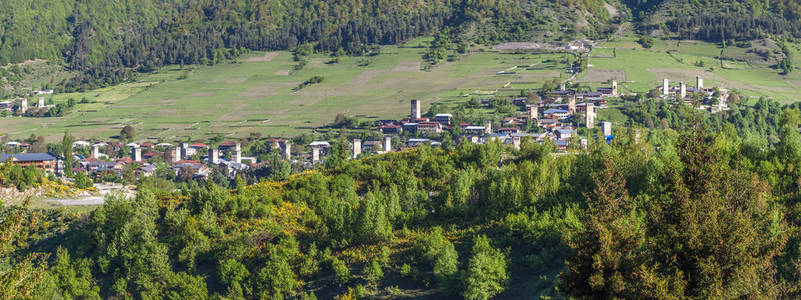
{"points": [[21, 107], [227, 155], [555, 114], [714, 100], [196, 159]]}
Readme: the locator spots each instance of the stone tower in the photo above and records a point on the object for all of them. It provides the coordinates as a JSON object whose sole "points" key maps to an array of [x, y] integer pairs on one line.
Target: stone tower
{"points": [[287, 147], [214, 156], [571, 104], [357, 147], [236, 156], [516, 142], [387, 143], [176, 154], [533, 112], [95, 151], [136, 153], [184, 151], [415, 113], [315, 155]]}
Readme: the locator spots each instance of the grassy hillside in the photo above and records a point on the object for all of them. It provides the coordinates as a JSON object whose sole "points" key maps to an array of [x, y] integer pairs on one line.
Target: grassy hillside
{"points": [[255, 94], [741, 69]]}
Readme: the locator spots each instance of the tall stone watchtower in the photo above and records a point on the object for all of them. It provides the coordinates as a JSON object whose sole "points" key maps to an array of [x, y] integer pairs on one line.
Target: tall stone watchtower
{"points": [[415, 113], [589, 117]]}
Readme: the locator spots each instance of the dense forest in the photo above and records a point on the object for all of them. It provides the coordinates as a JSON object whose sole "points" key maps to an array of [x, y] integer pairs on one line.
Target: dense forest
{"points": [[690, 208], [721, 20]]}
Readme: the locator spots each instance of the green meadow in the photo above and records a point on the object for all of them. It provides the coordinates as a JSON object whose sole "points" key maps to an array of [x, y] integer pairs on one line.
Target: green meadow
{"points": [[741, 69], [255, 93]]}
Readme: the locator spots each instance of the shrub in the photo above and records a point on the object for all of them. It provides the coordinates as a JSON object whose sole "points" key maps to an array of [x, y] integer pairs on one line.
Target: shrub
{"points": [[341, 271], [373, 272], [486, 274]]}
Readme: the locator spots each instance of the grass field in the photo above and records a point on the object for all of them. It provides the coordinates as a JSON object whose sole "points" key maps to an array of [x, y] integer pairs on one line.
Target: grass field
{"points": [[677, 60], [255, 93]]}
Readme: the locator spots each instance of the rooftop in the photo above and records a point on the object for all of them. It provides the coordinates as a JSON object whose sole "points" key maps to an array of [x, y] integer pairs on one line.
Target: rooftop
{"points": [[555, 111], [27, 157], [319, 143]]}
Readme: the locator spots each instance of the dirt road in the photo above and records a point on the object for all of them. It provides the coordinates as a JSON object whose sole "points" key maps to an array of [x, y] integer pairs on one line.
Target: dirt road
{"points": [[96, 199]]}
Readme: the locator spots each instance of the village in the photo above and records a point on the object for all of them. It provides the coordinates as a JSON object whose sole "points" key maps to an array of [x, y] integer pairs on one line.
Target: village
{"points": [[554, 118]]}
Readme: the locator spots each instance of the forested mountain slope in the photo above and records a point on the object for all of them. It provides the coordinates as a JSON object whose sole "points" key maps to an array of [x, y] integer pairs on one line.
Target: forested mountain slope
{"points": [[85, 29], [107, 40], [72, 29], [719, 20]]}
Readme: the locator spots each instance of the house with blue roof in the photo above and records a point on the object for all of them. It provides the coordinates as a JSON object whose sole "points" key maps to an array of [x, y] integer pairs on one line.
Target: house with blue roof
{"points": [[555, 112], [45, 161]]}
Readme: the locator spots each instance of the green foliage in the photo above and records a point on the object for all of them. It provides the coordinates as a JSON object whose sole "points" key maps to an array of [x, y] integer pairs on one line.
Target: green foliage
{"points": [[82, 181], [280, 168], [486, 274], [786, 65], [127, 133], [661, 216], [646, 41], [629, 256], [14, 175], [446, 268], [310, 81], [69, 279], [341, 271], [373, 272], [310, 264], [66, 148], [276, 279], [232, 272], [107, 41], [123, 239], [22, 274]]}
